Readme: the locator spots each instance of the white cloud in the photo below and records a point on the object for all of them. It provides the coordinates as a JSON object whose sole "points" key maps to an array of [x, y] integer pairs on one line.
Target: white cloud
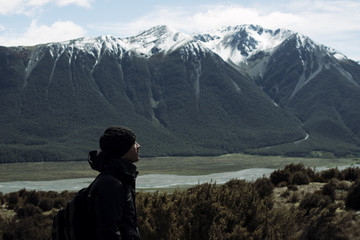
{"points": [[309, 17], [220, 16], [80, 3], [11, 7], [35, 34], [31, 7]]}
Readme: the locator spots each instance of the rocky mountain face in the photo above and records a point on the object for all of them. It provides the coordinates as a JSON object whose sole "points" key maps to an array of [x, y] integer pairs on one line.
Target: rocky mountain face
{"points": [[241, 88]]}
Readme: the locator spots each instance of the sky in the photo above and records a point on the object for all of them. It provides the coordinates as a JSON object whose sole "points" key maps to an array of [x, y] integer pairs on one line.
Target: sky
{"points": [[333, 23]]}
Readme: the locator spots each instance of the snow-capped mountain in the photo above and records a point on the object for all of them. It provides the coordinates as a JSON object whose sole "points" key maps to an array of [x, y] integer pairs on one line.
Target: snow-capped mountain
{"points": [[228, 90], [237, 44], [156, 40]]}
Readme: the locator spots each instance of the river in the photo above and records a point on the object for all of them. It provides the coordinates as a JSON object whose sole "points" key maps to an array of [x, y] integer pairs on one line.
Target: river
{"points": [[143, 182], [147, 182]]}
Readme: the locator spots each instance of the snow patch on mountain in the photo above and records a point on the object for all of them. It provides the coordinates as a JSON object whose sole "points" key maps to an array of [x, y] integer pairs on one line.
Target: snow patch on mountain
{"points": [[156, 40], [93, 46], [35, 57], [246, 47], [237, 44]]}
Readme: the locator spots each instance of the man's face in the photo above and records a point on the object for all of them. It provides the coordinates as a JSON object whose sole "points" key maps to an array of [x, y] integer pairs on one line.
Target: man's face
{"points": [[133, 155]]}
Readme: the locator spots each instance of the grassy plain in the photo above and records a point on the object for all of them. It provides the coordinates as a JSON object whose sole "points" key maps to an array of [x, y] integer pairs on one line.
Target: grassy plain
{"points": [[194, 165]]}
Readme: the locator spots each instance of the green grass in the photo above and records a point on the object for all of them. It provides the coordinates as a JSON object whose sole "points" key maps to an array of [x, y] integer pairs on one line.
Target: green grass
{"points": [[163, 165]]}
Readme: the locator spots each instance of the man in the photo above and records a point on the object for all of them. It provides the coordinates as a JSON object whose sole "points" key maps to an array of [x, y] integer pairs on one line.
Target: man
{"points": [[113, 190]]}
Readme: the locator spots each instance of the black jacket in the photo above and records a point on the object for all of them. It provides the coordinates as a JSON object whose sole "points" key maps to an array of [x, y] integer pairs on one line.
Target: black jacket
{"points": [[113, 193]]}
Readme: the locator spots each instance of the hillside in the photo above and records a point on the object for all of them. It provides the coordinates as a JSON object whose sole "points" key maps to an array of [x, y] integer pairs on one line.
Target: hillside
{"points": [[237, 89]]}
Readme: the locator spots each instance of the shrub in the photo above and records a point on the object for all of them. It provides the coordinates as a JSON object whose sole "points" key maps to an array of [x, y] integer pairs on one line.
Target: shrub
{"points": [[323, 227], [314, 201], [13, 200], [28, 210], [2, 199], [299, 178], [350, 174], [264, 187], [353, 197], [330, 173], [32, 197], [279, 176], [329, 190], [22, 193], [293, 168], [59, 203], [37, 227], [45, 204]]}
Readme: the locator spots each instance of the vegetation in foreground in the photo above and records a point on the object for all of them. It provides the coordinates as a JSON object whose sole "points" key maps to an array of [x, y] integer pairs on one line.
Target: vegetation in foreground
{"points": [[293, 203]]}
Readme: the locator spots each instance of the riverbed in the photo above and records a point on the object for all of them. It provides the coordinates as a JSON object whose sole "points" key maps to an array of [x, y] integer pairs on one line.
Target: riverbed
{"points": [[143, 182]]}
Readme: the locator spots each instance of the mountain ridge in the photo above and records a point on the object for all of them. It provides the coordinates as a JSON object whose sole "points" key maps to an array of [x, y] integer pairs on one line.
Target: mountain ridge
{"points": [[287, 92]]}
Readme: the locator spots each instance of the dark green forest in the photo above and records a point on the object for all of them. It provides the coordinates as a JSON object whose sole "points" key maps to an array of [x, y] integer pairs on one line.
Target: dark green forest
{"points": [[234, 210]]}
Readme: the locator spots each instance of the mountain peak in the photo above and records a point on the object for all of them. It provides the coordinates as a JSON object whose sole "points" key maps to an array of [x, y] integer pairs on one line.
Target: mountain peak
{"points": [[155, 40], [157, 31], [237, 43]]}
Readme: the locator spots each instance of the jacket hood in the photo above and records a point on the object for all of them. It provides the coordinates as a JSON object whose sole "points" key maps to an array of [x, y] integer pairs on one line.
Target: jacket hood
{"points": [[96, 160]]}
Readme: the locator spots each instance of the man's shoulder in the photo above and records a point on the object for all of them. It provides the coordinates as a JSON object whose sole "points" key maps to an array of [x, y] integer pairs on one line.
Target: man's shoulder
{"points": [[106, 178], [106, 185]]}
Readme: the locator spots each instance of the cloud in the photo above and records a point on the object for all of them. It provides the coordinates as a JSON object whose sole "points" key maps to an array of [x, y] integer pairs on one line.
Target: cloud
{"points": [[12, 7], [33, 7], [80, 3], [308, 17], [36, 34]]}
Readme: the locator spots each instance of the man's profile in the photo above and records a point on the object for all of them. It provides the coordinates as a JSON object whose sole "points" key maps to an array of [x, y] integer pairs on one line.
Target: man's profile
{"points": [[113, 190]]}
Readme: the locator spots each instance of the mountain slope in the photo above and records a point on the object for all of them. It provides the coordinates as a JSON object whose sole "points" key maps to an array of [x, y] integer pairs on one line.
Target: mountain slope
{"points": [[315, 83], [225, 91]]}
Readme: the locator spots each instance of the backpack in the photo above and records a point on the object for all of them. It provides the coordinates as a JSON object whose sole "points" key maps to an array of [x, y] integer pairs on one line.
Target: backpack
{"points": [[75, 221]]}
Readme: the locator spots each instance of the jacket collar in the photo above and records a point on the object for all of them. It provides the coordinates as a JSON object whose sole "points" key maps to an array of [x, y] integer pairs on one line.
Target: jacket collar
{"points": [[122, 169]]}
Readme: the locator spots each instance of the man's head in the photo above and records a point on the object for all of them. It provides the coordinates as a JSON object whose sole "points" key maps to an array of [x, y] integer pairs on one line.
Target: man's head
{"points": [[116, 141]]}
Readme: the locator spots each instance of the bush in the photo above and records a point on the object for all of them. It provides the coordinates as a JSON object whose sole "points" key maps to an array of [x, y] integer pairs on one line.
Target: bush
{"points": [[32, 197], [329, 190], [279, 176], [12, 200], [315, 200], [2, 199], [59, 203], [323, 227], [293, 168], [45, 205], [350, 174], [37, 227], [264, 187], [353, 197], [292, 174], [28, 210], [299, 178], [330, 173]]}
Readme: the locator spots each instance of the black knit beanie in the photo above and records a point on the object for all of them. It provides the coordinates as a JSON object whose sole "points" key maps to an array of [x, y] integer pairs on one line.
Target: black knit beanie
{"points": [[116, 141]]}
